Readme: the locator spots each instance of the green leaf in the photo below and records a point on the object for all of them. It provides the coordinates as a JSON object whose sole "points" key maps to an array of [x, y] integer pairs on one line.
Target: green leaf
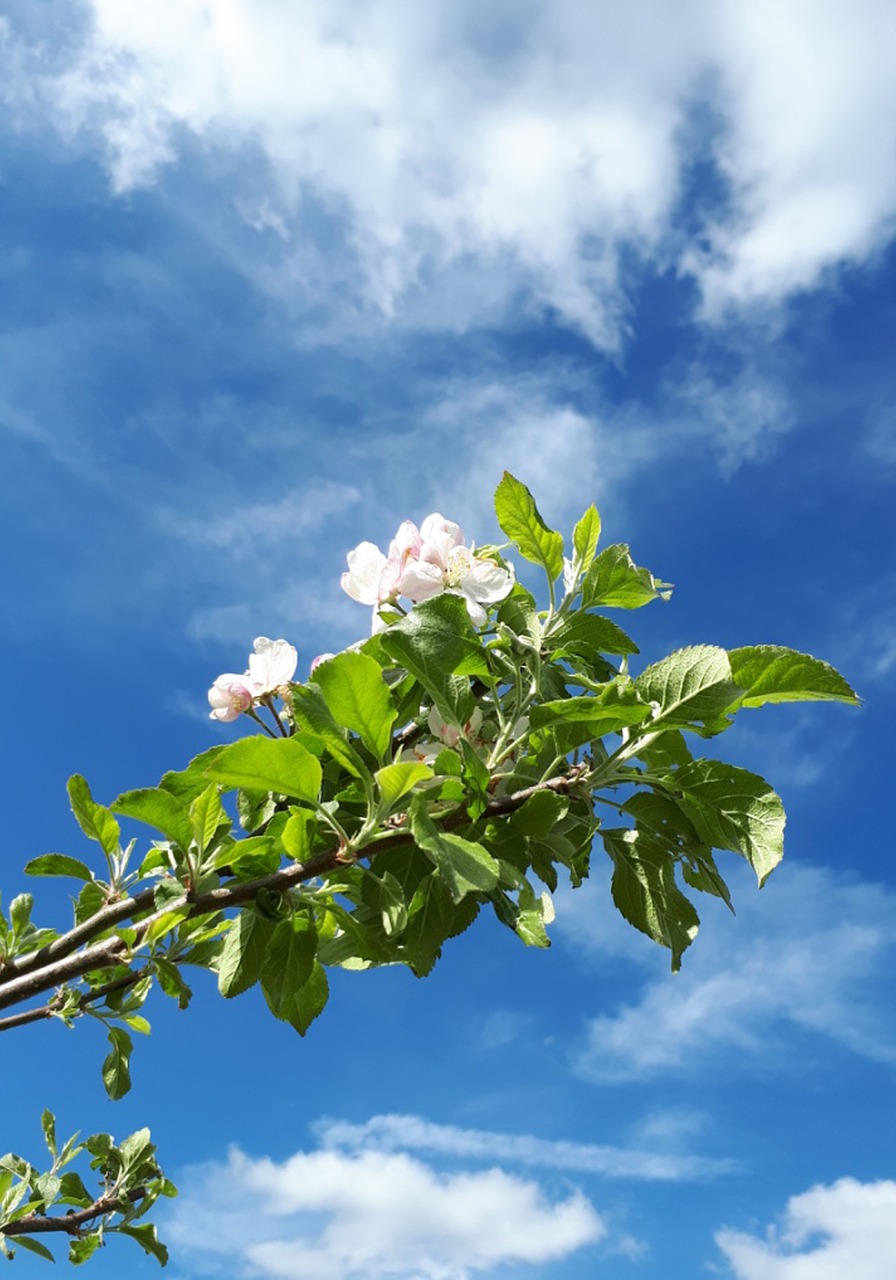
{"points": [[58, 864], [288, 966], [540, 814], [521, 520], [464, 866], [431, 919], [79, 1251], [116, 1067], [34, 1246], [587, 635], [186, 784], [171, 981], [585, 537], [20, 912], [534, 911], [298, 834], [159, 809], [604, 713], [772, 673], [146, 1237], [615, 581], [645, 891], [733, 809], [384, 894], [396, 780], [94, 819], [48, 1124], [308, 1001], [313, 715], [358, 698], [281, 765], [691, 685], [244, 953], [434, 641], [207, 817]]}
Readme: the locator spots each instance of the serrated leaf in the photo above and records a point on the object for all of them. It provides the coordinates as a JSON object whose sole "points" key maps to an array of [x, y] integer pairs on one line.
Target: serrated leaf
{"points": [[313, 715], [690, 685], [396, 780], [298, 833], [34, 1246], [58, 864], [281, 765], [601, 714], [171, 981], [435, 641], [358, 698], [521, 520], [186, 784], [588, 635], [539, 815], [534, 911], [146, 1237], [159, 809], [615, 581], [94, 819], [116, 1067], [207, 816], [431, 917], [464, 866], [81, 1250], [645, 892], [733, 809], [288, 961], [244, 953], [585, 537], [772, 673], [48, 1124]]}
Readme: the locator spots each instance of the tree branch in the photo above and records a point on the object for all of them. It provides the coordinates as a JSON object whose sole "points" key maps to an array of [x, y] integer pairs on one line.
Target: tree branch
{"points": [[36, 1224], [32, 979]]}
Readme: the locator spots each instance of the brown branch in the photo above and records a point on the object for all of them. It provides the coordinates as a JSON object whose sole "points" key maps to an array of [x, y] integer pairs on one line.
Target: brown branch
{"points": [[36, 1224], [32, 980]]}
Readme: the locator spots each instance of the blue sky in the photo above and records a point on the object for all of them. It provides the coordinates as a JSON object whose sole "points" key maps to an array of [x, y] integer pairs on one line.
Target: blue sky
{"points": [[274, 277]]}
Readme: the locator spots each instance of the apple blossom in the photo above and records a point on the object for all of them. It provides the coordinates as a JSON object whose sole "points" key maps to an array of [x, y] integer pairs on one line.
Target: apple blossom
{"points": [[423, 563], [271, 666], [229, 697]]}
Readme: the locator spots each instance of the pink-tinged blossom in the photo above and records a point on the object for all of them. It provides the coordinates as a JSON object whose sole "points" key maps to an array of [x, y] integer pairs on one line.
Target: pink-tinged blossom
{"points": [[450, 734], [271, 667], [423, 563], [229, 697]]}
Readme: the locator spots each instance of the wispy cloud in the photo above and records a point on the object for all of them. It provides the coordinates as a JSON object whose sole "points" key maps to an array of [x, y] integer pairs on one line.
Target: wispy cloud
{"points": [[411, 1133], [526, 150], [809, 957], [846, 1229]]}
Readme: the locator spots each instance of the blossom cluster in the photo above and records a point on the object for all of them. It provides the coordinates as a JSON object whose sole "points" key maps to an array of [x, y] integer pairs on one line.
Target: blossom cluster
{"points": [[422, 563], [271, 667]]}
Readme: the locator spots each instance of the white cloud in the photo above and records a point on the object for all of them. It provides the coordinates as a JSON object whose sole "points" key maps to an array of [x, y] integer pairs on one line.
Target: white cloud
{"points": [[411, 1133], [465, 157], [362, 1215], [846, 1229], [245, 531], [809, 955]]}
